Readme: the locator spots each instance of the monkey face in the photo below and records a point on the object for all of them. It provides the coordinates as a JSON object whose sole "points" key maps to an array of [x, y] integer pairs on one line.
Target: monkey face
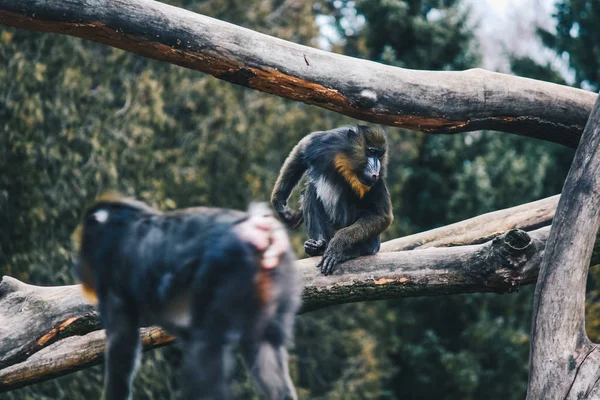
{"points": [[372, 171], [362, 162], [373, 159]]}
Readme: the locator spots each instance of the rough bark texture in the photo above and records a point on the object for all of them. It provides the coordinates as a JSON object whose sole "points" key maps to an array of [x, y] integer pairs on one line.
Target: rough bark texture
{"points": [[46, 332], [563, 361], [480, 229], [500, 266], [430, 101]]}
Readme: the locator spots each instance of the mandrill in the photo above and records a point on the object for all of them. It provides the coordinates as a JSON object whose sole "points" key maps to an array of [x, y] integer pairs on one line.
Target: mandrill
{"points": [[345, 204], [213, 277]]}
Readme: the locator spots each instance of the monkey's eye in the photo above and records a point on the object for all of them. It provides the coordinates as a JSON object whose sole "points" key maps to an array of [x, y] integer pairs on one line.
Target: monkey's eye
{"points": [[372, 151]]}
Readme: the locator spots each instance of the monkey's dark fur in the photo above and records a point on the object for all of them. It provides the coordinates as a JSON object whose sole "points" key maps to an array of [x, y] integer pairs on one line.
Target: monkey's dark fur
{"points": [[345, 204], [191, 273]]}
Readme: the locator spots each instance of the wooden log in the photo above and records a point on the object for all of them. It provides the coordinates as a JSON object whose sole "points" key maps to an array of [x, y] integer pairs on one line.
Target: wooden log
{"points": [[480, 229], [429, 101], [500, 265]]}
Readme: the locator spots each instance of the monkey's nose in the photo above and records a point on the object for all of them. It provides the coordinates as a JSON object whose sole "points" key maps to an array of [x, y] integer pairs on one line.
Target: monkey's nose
{"points": [[375, 177]]}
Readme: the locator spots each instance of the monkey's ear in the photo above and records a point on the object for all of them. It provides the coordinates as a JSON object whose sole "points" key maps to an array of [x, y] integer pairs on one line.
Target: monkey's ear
{"points": [[352, 134], [99, 216]]}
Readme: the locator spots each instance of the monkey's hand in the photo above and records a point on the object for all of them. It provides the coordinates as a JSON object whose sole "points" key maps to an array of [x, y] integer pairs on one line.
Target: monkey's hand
{"points": [[266, 234], [292, 219], [314, 247], [330, 260]]}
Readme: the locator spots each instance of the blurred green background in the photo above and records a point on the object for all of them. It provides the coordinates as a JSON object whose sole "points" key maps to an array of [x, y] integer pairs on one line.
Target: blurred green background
{"points": [[78, 118]]}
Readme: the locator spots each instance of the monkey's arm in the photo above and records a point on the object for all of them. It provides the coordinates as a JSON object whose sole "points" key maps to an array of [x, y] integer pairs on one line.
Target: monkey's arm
{"points": [[346, 242], [291, 172]]}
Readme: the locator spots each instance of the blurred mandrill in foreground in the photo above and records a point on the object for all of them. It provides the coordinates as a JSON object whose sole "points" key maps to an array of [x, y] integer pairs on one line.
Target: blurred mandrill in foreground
{"points": [[212, 277], [345, 204]]}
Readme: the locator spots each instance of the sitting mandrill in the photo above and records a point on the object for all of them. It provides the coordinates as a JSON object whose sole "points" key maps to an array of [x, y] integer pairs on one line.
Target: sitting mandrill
{"points": [[345, 204], [213, 277]]}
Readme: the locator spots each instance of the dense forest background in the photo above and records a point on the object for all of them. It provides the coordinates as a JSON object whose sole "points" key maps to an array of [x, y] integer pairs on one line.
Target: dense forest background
{"points": [[78, 118]]}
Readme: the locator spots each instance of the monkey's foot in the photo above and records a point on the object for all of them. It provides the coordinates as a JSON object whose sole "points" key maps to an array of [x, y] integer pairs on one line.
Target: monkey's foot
{"points": [[314, 247], [328, 263]]}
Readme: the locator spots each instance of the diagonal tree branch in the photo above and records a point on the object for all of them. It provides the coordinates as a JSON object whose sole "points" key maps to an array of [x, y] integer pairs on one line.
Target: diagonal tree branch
{"points": [[430, 101], [563, 361]]}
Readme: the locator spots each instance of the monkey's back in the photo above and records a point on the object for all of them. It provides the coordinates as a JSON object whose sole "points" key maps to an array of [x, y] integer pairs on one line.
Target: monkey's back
{"points": [[174, 265]]}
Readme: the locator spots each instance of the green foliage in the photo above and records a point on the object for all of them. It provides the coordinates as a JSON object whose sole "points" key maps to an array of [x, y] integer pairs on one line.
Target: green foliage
{"points": [[462, 347], [526, 67], [341, 352], [422, 34]]}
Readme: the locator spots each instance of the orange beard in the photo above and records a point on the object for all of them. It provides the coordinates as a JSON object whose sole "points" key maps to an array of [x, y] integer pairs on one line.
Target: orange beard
{"points": [[88, 288], [87, 276], [89, 292], [343, 165]]}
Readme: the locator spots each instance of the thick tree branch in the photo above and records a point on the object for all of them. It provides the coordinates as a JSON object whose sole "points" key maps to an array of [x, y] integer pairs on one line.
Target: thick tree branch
{"points": [[500, 265], [480, 229], [70, 354], [430, 101], [563, 361]]}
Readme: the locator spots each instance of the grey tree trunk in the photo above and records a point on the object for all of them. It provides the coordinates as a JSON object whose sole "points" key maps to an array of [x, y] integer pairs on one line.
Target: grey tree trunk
{"points": [[564, 363]]}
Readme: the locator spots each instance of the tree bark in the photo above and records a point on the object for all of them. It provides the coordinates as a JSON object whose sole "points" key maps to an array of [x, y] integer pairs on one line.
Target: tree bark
{"points": [[429, 101], [500, 265], [480, 229], [563, 361]]}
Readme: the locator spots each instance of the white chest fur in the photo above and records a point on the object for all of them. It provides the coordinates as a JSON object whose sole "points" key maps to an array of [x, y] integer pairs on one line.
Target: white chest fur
{"points": [[328, 194]]}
